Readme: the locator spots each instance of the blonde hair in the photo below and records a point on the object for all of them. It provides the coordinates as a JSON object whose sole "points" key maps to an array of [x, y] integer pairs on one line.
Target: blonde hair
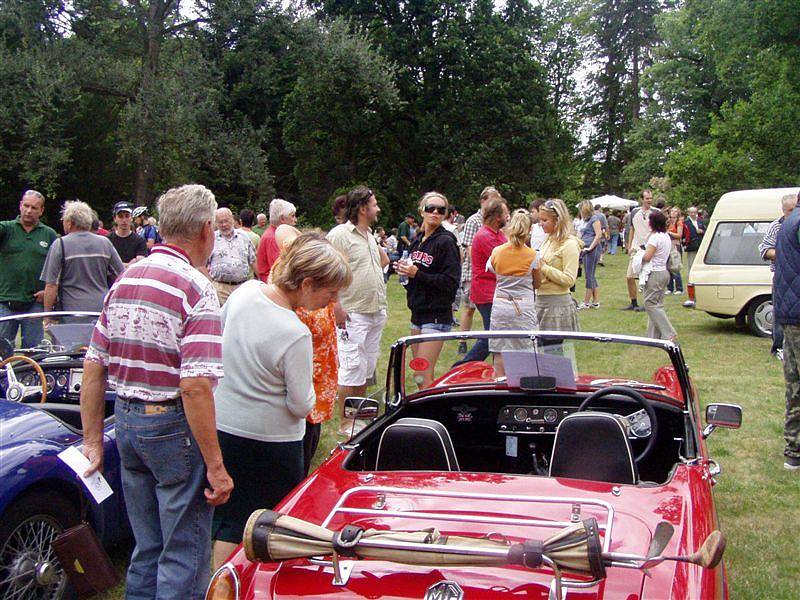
{"points": [[430, 196], [556, 208], [585, 209], [311, 256], [519, 229]]}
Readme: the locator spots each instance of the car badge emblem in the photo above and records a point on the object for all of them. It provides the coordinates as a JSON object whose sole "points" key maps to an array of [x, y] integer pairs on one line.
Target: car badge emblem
{"points": [[444, 590], [464, 413]]}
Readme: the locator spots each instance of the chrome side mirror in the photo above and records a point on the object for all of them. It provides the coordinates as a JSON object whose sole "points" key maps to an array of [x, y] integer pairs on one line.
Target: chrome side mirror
{"points": [[364, 409], [722, 415]]}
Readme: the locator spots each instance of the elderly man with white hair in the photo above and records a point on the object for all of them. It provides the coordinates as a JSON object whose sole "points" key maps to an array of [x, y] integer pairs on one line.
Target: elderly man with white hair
{"points": [[158, 341], [232, 258], [81, 266], [281, 212], [261, 224]]}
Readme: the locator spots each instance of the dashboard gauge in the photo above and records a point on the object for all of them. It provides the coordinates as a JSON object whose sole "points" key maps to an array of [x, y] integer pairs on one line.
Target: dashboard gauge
{"points": [[51, 382], [520, 415], [639, 423], [61, 380], [29, 379], [550, 415]]}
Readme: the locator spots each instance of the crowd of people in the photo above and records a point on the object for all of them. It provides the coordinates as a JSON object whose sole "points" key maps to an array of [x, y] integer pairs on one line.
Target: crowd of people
{"points": [[294, 321]]}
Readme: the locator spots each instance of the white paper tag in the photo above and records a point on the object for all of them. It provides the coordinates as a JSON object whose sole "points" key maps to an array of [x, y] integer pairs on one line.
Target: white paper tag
{"points": [[511, 446], [96, 484]]}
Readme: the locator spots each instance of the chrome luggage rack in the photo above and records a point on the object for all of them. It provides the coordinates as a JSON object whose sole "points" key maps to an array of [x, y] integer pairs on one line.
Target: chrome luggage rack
{"points": [[380, 508]]}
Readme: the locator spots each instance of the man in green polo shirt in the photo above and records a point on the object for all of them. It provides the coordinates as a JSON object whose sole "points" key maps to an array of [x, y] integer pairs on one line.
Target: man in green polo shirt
{"points": [[24, 243]]}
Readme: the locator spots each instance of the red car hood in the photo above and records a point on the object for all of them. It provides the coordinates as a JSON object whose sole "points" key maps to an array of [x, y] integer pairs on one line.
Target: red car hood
{"points": [[477, 504]]}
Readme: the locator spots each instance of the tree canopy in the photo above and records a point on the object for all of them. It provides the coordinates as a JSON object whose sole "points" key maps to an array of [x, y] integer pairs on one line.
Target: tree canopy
{"points": [[114, 99]]}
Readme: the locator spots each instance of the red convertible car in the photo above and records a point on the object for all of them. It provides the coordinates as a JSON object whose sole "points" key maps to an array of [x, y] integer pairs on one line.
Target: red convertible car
{"points": [[567, 465]]}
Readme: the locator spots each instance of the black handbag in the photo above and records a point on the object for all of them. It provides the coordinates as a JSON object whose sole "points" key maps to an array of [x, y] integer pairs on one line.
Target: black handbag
{"points": [[84, 560]]}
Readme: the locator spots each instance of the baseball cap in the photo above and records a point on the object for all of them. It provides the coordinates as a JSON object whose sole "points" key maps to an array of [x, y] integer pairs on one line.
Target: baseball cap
{"points": [[123, 206]]}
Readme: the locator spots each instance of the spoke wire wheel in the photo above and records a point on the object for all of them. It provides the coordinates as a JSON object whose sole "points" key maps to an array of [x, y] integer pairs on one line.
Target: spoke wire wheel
{"points": [[29, 569]]}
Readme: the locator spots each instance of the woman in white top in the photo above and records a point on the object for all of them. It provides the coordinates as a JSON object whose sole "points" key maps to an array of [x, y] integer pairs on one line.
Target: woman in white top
{"points": [[657, 254], [267, 391]]}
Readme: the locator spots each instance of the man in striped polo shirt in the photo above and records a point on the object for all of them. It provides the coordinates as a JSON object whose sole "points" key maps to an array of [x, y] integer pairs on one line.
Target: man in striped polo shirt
{"points": [[158, 342]]}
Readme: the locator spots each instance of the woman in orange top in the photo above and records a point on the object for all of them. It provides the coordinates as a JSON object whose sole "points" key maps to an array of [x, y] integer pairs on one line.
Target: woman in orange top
{"points": [[322, 325], [675, 232]]}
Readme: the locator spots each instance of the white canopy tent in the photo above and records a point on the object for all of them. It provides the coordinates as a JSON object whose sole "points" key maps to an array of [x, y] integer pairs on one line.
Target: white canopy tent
{"points": [[613, 202]]}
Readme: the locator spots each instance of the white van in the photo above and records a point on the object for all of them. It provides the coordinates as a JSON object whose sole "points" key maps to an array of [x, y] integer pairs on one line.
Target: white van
{"points": [[729, 278]]}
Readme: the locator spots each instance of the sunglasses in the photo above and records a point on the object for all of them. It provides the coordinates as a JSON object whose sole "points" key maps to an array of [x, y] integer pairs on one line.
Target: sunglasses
{"points": [[430, 208]]}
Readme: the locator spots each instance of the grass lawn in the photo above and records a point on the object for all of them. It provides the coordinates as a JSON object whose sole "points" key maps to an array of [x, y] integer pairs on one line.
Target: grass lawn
{"points": [[757, 499]]}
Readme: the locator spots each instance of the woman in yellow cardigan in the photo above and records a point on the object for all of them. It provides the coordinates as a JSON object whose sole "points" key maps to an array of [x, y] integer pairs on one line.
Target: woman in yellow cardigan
{"points": [[558, 256]]}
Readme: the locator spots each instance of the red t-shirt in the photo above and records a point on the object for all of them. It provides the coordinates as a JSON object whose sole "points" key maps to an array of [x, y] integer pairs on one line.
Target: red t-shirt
{"points": [[483, 281], [267, 253]]}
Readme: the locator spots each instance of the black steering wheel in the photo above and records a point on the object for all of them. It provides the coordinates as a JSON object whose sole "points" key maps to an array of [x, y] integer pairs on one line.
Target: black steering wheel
{"points": [[647, 406]]}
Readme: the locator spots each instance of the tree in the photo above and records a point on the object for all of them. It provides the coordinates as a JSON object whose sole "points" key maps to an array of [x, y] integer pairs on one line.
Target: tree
{"points": [[334, 118], [476, 106], [623, 33]]}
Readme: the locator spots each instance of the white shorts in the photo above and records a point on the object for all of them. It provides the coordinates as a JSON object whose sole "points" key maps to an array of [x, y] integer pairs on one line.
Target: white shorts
{"points": [[359, 345]]}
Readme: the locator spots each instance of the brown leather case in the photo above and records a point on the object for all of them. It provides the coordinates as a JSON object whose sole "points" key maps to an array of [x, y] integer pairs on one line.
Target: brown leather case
{"points": [[85, 561]]}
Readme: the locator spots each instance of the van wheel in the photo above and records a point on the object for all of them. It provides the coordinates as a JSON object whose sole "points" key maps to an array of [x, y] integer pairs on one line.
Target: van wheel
{"points": [[759, 317]]}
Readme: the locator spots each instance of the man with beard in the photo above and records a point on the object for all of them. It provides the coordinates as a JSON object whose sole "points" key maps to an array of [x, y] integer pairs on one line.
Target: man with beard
{"points": [[361, 311]]}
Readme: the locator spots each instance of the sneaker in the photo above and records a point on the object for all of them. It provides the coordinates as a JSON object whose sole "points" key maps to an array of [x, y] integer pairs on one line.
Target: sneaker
{"points": [[638, 309], [595, 305], [462, 348], [667, 292], [779, 354], [688, 304], [791, 462], [678, 292], [583, 306], [629, 307]]}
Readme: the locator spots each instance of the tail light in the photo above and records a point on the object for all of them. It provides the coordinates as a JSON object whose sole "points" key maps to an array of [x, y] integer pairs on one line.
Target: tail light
{"points": [[224, 584]]}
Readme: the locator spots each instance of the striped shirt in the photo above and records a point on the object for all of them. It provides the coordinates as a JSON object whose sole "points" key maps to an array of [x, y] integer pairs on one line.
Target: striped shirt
{"points": [[471, 228], [160, 323], [770, 241]]}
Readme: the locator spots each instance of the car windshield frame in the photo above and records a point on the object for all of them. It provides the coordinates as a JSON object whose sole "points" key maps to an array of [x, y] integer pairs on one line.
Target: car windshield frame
{"points": [[397, 395], [56, 315]]}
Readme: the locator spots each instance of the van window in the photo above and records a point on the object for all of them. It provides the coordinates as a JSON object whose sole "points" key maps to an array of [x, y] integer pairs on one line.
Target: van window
{"points": [[736, 244]]}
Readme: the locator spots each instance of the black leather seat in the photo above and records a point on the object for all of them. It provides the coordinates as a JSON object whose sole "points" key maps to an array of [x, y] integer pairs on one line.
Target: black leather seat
{"points": [[416, 445], [593, 446]]}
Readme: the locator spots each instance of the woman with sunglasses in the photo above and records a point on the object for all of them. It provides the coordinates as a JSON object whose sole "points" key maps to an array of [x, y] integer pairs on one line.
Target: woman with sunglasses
{"points": [[434, 273], [559, 257]]}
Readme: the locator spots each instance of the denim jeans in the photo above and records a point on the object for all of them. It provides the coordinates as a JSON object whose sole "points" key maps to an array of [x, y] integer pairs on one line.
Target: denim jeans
{"points": [[163, 478], [612, 243], [480, 350], [675, 282], [32, 332]]}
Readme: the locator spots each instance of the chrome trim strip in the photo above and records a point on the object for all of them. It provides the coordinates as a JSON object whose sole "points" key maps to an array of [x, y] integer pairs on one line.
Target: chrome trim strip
{"points": [[727, 284]]}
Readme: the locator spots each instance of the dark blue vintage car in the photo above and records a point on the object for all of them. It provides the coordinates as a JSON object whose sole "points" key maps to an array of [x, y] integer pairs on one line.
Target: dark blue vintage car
{"points": [[39, 417]]}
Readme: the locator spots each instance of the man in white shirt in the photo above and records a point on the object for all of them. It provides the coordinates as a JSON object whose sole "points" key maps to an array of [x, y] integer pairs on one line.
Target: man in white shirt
{"points": [[640, 231], [361, 310], [233, 258]]}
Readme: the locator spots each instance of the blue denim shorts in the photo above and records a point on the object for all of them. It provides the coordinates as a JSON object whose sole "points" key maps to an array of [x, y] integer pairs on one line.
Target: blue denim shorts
{"points": [[433, 327]]}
